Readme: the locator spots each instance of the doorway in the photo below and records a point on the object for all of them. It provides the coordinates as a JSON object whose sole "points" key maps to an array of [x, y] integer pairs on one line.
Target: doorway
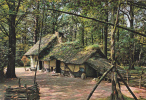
{"points": [[58, 69], [40, 65]]}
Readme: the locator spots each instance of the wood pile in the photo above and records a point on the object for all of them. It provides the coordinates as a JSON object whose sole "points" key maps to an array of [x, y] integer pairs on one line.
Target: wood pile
{"points": [[22, 93]]}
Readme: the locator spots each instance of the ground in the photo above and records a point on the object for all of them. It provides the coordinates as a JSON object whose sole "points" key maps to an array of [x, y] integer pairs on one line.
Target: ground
{"points": [[65, 88]]}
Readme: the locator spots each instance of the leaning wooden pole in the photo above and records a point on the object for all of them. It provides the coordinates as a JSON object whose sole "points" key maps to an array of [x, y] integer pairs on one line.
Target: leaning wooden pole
{"points": [[39, 46], [126, 85], [102, 77], [35, 73], [37, 61], [100, 21]]}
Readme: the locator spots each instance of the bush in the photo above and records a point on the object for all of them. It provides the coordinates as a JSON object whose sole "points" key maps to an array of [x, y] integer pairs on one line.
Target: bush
{"points": [[3, 63]]}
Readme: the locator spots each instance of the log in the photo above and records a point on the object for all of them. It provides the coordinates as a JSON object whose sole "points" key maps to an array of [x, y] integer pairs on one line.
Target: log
{"points": [[23, 93]]}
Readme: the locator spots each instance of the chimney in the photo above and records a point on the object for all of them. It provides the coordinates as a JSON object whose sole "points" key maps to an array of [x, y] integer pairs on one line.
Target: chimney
{"points": [[59, 36]]}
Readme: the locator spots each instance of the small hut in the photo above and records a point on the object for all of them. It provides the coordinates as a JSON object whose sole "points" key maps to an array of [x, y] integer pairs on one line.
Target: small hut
{"points": [[47, 42], [68, 58], [72, 58]]}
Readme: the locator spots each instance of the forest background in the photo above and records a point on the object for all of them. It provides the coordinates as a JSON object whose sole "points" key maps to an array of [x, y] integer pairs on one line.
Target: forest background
{"points": [[118, 27]]}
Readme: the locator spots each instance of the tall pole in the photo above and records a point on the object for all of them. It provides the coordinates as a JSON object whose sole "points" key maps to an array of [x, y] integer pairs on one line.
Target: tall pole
{"points": [[39, 46]]}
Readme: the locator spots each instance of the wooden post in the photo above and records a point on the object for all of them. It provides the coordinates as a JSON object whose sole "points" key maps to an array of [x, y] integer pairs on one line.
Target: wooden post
{"points": [[24, 67], [140, 79], [25, 85], [127, 77], [19, 82], [35, 73]]}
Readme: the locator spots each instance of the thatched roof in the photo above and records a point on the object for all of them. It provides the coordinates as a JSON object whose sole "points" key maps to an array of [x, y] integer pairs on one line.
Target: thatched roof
{"points": [[45, 41], [70, 53], [73, 53], [99, 63]]}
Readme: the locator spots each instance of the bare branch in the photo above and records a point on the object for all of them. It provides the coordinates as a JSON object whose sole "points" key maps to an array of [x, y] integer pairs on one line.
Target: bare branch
{"points": [[138, 4], [125, 14], [2, 28], [20, 18], [18, 6]]}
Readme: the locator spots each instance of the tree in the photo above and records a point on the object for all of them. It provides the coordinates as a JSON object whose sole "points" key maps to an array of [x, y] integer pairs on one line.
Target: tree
{"points": [[53, 18], [132, 48], [9, 17], [116, 91], [3, 54], [37, 23], [91, 19], [105, 30], [13, 10]]}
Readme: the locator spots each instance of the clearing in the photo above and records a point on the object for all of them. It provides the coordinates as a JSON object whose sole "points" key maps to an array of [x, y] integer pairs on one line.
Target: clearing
{"points": [[65, 88]]}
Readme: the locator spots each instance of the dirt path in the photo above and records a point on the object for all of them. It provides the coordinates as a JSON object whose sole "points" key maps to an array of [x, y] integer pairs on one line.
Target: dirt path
{"points": [[65, 88]]}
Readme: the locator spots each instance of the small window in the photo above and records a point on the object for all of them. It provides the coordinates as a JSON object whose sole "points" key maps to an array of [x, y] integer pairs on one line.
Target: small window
{"points": [[82, 69]]}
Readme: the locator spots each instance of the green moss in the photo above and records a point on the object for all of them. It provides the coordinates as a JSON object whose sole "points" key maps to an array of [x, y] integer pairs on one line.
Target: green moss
{"points": [[47, 40], [72, 42], [92, 47], [70, 52]]}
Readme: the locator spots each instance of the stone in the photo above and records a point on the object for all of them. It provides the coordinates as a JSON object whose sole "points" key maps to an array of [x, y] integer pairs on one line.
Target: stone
{"points": [[83, 76]]}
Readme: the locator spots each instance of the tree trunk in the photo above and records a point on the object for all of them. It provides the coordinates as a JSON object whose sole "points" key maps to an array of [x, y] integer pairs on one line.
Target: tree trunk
{"points": [[92, 38], [116, 89], [2, 63], [1, 74], [131, 60], [37, 29], [13, 10], [53, 15], [76, 31], [101, 37], [116, 92], [105, 33], [113, 38], [12, 48], [86, 39], [82, 34]]}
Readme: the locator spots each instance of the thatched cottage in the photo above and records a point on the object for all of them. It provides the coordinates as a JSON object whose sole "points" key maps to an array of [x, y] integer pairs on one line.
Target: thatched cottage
{"points": [[68, 57]]}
